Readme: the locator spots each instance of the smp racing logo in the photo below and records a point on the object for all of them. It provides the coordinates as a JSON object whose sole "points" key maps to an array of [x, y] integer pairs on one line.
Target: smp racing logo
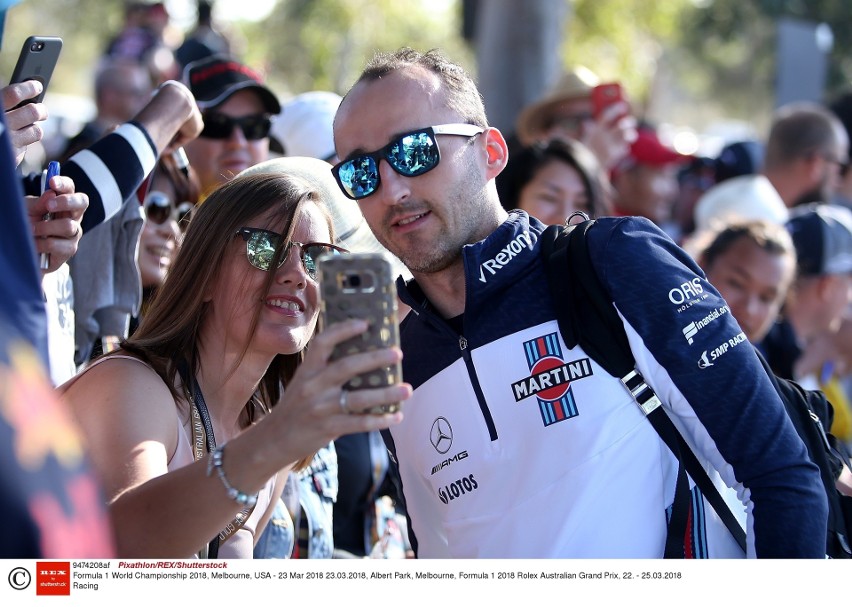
{"points": [[550, 379]]}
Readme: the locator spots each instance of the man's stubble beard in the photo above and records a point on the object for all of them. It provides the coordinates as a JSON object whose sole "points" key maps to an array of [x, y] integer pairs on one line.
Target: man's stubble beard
{"points": [[466, 204]]}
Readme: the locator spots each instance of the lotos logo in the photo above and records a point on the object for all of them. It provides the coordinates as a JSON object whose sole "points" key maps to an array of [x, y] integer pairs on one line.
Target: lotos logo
{"points": [[520, 243], [550, 379], [457, 489]]}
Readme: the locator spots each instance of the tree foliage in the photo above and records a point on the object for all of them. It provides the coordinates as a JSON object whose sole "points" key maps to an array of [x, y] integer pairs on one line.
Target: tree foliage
{"points": [[622, 39], [734, 42], [324, 44]]}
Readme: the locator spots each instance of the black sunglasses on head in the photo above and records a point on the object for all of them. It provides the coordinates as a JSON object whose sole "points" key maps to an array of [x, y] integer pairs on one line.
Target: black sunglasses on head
{"points": [[262, 244], [410, 155], [220, 126]]}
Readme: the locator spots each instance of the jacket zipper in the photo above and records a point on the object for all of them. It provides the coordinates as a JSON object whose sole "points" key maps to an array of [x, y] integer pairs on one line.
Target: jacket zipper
{"points": [[477, 388]]}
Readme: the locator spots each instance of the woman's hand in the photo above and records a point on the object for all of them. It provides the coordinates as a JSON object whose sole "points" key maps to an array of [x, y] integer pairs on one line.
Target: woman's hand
{"points": [[317, 408]]}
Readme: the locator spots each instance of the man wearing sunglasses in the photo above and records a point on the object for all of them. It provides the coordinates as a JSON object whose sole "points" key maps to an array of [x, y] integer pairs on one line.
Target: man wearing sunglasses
{"points": [[513, 444], [236, 107]]}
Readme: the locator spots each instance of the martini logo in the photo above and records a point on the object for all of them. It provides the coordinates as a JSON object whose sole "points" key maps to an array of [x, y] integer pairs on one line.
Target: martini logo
{"points": [[550, 379]]}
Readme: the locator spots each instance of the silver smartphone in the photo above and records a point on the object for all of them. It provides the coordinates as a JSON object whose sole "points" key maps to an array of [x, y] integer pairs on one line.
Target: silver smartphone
{"points": [[362, 285]]}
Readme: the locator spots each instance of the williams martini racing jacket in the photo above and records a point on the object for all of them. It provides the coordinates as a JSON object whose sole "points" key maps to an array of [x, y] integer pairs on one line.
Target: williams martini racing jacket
{"points": [[514, 446]]}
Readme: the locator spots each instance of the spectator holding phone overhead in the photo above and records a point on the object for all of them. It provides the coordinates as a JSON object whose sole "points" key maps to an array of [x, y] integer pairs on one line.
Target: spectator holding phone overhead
{"points": [[214, 398], [575, 108]]}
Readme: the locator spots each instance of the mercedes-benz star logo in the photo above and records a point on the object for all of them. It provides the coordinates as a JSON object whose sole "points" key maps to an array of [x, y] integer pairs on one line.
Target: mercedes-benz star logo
{"points": [[441, 435]]}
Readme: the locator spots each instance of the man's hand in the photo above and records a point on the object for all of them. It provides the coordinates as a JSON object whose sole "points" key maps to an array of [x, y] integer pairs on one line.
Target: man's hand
{"points": [[22, 122], [60, 235], [609, 137]]}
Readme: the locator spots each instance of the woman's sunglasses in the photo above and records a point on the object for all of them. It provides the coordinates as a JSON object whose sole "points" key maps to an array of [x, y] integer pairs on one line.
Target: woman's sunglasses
{"points": [[220, 126], [159, 209], [410, 155], [262, 244]]}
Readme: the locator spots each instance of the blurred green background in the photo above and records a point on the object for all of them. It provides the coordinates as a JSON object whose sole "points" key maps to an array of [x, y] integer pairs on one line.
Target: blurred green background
{"points": [[689, 64]]}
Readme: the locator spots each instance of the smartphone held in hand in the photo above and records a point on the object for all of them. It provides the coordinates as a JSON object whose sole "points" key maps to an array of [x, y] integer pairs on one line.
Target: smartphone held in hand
{"points": [[605, 95], [37, 61], [361, 286]]}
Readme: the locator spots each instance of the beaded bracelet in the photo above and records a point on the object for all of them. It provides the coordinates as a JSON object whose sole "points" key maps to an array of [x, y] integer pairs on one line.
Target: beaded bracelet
{"points": [[215, 463]]}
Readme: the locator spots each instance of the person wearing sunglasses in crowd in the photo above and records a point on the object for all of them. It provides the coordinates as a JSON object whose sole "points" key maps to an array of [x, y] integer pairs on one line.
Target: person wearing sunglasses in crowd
{"points": [[194, 423], [236, 108], [169, 196], [108, 173], [506, 421]]}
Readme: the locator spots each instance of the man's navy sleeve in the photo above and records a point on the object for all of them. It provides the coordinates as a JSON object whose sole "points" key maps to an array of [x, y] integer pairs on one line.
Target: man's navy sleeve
{"points": [[696, 357]]}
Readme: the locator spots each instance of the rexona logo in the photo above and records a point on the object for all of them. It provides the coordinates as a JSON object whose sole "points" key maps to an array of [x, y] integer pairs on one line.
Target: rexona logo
{"points": [[550, 379], [720, 350], [521, 242], [692, 329], [687, 294]]}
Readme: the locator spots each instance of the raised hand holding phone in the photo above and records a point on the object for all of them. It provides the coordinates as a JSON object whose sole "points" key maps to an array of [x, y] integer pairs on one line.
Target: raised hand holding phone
{"points": [[361, 285], [37, 61], [49, 173]]}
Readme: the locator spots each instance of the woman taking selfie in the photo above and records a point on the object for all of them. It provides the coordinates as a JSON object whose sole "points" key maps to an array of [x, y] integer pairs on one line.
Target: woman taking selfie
{"points": [[195, 421]]}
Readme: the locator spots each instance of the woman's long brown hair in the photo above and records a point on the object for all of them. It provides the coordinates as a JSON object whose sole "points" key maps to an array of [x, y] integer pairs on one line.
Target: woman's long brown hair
{"points": [[168, 337]]}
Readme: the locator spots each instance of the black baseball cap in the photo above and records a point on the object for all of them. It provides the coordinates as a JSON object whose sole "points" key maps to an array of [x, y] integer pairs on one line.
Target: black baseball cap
{"points": [[213, 79], [822, 234]]}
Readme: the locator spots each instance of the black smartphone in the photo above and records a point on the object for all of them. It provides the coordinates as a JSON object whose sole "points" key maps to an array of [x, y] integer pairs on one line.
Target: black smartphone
{"points": [[36, 62]]}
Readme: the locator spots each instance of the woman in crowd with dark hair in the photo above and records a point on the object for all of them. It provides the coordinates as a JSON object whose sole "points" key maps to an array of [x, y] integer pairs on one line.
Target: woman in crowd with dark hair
{"points": [[551, 180], [194, 423]]}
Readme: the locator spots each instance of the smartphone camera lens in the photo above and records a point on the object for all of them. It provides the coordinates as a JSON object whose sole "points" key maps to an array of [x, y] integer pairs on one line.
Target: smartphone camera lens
{"points": [[354, 281], [37, 46]]}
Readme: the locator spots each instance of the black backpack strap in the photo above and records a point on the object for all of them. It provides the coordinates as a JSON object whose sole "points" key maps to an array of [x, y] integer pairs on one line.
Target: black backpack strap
{"points": [[587, 318]]}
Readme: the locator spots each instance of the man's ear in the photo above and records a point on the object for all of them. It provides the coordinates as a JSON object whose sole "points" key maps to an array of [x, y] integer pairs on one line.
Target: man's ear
{"points": [[497, 152]]}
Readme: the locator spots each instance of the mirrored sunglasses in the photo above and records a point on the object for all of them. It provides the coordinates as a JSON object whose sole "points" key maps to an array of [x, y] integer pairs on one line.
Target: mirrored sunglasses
{"points": [[159, 209], [262, 244], [220, 126], [410, 155]]}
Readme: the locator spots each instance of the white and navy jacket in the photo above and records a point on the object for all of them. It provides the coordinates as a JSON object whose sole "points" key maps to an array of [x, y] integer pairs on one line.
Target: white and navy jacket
{"points": [[514, 446]]}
